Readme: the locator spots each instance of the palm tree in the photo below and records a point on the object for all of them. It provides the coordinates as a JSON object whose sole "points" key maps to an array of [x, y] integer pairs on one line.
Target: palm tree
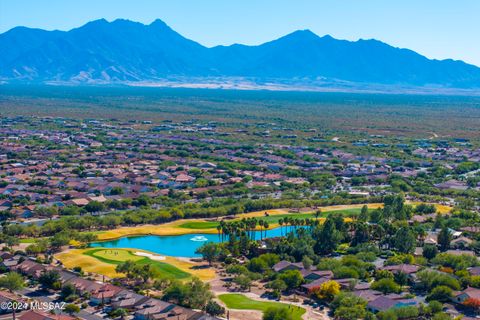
{"points": [[219, 229], [318, 213], [261, 223], [280, 222]]}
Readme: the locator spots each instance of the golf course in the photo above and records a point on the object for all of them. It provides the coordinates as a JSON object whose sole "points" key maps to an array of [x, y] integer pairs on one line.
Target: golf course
{"points": [[241, 302]]}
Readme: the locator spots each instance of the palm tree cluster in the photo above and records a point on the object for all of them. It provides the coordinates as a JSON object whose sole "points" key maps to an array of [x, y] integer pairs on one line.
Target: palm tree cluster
{"points": [[249, 227]]}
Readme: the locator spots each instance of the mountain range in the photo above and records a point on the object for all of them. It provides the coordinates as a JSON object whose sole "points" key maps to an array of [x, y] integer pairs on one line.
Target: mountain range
{"points": [[129, 52]]}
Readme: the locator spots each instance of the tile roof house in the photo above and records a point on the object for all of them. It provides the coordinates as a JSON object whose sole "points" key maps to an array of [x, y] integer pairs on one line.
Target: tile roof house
{"points": [[474, 271], [5, 298], [104, 294], [461, 242], [308, 287], [368, 295], [404, 268], [39, 315], [287, 265], [30, 268], [84, 285], [461, 296], [383, 303], [152, 307], [127, 299]]}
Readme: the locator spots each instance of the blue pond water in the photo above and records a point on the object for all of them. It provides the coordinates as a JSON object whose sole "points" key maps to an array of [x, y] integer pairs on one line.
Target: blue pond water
{"points": [[175, 246]]}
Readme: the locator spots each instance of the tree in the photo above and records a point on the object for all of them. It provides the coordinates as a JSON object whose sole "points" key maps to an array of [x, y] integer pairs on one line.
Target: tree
{"points": [[67, 290], [276, 313], [277, 286], [364, 216], [95, 206], [72, 308], [126, 267], [350, 313], [327, 237], [257, 265], [50, 279], [11, 241], [386, 285], [327, 291], [292, 278], [214, 309], [444, 238], [209, 251], [429, 251], [119, 312], [116, 191], [243, 281], [404, 240], [387, 315], [362, 233], [348, 306], [307, 262], [440, 293], [12, 281], [193, 294], [59, 240]]}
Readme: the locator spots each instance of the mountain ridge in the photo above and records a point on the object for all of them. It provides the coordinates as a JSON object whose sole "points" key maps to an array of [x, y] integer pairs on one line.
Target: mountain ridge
{"points": [[124, 51]]}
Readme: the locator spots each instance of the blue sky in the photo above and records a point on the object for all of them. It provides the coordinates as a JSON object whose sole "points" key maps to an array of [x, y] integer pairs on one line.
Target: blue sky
{"points": [[436, 28]]}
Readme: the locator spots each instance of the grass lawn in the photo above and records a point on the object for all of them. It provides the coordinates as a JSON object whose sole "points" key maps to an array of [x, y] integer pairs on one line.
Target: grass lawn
{"points": [[117, 256], [199, 225], [239, 301]]}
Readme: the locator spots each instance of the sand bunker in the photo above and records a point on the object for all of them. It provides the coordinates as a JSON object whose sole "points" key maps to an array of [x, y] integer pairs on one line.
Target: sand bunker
{"points": [[149, 255]]}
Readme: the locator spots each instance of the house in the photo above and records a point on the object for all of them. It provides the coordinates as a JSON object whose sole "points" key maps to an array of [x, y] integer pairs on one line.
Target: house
{"points": [[127, 299], [287, 265], [30, 268], [310, 275], [460, 252], [471, 229], [5, 299], [452, 184], [104, 294], [84, 285], [12, 261], [461, 242], [474, 271], [152, 308], [100, 199], [402, 268], [39, 315], [368, 295], [308, 287], [461, 296], [383, 303], [79, 202]]}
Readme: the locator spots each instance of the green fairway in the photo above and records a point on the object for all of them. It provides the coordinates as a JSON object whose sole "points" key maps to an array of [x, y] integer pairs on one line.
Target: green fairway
{"points": [[117, 256], [239, 301], [273, 219], [199, 225]]}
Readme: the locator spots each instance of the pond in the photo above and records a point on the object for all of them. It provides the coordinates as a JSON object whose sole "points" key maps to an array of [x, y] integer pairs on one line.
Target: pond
{"points": [[176, 246]]}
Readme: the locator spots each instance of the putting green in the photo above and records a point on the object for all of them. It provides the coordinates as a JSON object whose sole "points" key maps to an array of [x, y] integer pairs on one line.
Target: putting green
{"points": [[241, 302]]}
